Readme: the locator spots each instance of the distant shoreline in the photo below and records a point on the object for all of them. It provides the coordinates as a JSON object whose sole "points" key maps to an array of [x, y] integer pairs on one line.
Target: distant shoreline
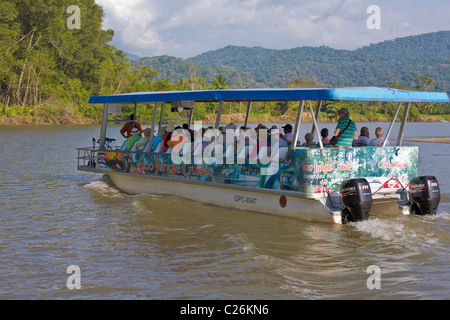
{"points": [[235, 118], [225, 118], [433, 140]]}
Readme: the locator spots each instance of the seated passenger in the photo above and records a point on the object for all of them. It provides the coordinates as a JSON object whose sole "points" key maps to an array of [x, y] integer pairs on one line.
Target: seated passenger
{"points": [[158, 138], [378, 141], [309, 141], [363, 139], [276, 134], [143, 141], [288, 135], [206, 140], [229, 138], [176, 138], [135, 135], [167, 136], [324, 134], [261, 141]]}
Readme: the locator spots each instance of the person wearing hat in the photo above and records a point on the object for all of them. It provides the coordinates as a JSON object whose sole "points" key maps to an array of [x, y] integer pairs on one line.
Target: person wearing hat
{"points": [[276, 134], [135, 135], [288, 135], [143, 141], [126, 129], [347, 128], [167, 136]]}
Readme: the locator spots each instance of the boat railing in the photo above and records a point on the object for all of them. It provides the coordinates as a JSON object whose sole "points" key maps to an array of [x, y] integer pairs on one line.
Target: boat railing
{"points": [[87, 157]]}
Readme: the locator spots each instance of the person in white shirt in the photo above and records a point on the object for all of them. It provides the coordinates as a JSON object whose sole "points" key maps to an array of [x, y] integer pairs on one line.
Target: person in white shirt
{"points": [[288, 135]]}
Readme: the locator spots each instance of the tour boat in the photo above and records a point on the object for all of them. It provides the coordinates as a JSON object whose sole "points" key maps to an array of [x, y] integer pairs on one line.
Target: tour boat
{"points": [[323, 183]]}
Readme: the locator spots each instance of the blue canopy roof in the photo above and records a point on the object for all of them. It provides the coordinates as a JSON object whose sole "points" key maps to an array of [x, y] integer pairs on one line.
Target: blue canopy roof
{"points": [[279, 94]]}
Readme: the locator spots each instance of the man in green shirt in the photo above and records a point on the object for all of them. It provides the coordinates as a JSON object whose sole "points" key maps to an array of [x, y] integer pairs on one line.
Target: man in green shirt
{"points": [[135, 136], [347, 136]]}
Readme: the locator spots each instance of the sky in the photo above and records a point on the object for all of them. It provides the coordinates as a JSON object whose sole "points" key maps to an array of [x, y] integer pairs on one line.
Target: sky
{"points": [[186, 28]]}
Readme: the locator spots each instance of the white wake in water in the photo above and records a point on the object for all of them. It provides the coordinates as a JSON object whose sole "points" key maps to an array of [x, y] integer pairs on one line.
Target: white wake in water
{"points": [[385, 230], [417, 233], [104, 189]]}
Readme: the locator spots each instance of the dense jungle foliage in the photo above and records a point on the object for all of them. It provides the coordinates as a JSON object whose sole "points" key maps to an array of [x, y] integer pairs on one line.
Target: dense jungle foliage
{"points": [[48, 70]]}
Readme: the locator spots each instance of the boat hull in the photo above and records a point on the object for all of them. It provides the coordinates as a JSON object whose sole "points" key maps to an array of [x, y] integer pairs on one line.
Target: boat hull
{"points": [[284, 204]]}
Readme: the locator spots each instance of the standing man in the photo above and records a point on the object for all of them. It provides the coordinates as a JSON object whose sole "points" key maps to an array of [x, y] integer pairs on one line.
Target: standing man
{"points": [[348, 135], [126, 129]]}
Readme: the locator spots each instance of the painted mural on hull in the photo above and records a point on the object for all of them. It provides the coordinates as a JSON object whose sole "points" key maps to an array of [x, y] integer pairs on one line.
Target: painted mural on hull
{"points": [[310, 170]]}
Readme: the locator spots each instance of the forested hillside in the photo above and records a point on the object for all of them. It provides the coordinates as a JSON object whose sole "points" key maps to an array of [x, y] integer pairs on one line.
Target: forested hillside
{"points": [[401, 60], [175, 69]]}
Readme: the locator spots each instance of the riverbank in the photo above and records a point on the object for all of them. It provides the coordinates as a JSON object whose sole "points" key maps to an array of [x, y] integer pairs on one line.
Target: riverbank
{"points": [[46, 121], [434, 140], [211, 119]]}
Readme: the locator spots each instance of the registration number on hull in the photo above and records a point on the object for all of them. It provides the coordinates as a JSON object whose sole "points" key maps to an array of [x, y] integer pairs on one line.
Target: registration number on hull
{"points": [[245, 199]]}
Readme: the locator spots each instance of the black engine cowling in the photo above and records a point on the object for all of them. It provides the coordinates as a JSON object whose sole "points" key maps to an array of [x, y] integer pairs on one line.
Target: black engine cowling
{"points": [[424, 195], [356, 198]]}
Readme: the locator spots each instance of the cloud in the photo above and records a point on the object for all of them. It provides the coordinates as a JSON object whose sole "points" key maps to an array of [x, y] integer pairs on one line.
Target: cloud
{"points": [[185, 28]]}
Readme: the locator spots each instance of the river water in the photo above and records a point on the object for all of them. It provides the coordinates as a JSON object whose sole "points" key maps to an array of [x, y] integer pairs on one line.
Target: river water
{"points": [[164, 247]]}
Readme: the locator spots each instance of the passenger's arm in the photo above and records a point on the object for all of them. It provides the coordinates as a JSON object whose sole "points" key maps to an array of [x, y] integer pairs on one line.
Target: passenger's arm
{"points": [[122, 132]]}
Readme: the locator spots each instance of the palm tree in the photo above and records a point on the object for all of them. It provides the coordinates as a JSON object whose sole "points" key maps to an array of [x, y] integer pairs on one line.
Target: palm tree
{"points": [[219, 82], [332, 111], [428, 108]]}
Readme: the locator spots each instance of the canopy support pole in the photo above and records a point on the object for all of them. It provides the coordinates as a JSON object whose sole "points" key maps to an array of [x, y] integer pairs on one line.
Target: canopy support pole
{"points": [[152, 133], [402, 126], [191, 112], [219, 114], [247, 116], [161, 116], [134, 114], [392, 124], [316, 116], [315, 127], [297, 125], [101, 144]]}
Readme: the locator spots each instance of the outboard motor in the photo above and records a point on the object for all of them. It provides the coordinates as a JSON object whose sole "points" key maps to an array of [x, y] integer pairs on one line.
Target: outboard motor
{"points": [[424, 195], [356, 198]]}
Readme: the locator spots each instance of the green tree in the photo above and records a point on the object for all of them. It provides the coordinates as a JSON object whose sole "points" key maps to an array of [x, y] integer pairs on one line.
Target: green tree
{"points": [[397, 85], [219, 82], [428, 108], [43, 62], [304, 83], [332, 111], [423, 83], [9, 32]]}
